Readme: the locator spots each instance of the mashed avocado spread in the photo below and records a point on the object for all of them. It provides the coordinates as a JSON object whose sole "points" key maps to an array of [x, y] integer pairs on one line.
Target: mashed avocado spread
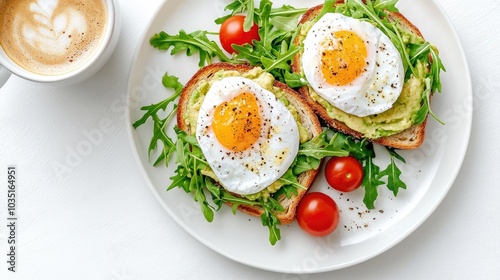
{"points": [[403, 112], [266, 81]]}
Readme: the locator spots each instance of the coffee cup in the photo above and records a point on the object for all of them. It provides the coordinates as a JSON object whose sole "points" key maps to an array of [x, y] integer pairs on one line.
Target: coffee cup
{"points": [[56, 41]]}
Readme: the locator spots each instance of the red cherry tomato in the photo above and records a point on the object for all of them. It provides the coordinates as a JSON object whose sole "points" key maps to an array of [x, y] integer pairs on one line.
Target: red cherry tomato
{"points": [[344, 174], [231, 32], [318, 214]]}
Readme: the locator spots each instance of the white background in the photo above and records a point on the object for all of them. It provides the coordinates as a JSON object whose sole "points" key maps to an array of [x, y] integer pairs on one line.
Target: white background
{"points": [[99, 220]]}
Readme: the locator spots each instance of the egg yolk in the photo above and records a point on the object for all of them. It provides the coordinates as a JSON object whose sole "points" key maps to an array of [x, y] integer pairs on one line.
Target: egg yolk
{"points": [[343, 59], [237, 122]]}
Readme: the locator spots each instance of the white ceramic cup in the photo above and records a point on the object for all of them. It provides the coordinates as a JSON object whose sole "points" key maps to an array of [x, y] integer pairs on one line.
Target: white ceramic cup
{"points": [[88, 69]]}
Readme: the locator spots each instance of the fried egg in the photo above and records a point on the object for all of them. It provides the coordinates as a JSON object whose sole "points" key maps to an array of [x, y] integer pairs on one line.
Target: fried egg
{"points": [[248, 137], [353, 65]]}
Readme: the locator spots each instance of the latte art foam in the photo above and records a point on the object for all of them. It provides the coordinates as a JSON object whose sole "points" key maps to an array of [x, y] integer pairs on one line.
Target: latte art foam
{"points": [[51, 37]]}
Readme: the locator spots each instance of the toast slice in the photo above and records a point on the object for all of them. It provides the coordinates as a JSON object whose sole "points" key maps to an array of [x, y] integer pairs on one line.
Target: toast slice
{"points": [[307, 116], [410, 138]]}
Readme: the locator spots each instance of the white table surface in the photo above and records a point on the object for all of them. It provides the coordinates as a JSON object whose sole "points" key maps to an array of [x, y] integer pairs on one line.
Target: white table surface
{"points": [[99, 220]]}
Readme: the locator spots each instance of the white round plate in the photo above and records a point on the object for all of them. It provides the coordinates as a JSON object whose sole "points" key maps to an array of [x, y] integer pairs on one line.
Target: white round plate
{"points": [[362, 234]]}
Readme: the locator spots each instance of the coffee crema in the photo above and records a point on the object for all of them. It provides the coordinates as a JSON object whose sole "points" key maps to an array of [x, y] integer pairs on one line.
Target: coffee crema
{"points": [[51, 37]]}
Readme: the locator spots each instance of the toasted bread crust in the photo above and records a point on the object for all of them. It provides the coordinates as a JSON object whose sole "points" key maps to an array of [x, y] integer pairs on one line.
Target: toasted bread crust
{"points": [[307, 116], [410, 138]]}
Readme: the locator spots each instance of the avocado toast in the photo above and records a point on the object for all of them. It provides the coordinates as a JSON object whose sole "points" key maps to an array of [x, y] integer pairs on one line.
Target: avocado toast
{"points": [[403, 125]]}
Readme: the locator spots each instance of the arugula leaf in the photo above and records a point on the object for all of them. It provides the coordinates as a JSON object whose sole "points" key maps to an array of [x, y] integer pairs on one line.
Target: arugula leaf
{"points": [[270, 220], [319, 147], [371, 182], [288, 191], [172, 82], [221, 195], [188, 174], [151, 110], [249, 21], [216, 193], [421, 114], [265, 26], [281, 61], [393, 173], [304, 164], [237, 7], [362, 150], [295, 80], [436, 68], [277, 28], [287, 11], [236, 201], [328, 7], [192, 43], [159, 124], [389, 5], [419, 51], [400, 45], [427, 98], [339, 141], [313, 151], [159, 134], [274, 51], [432, 80], [285, 23], [392, 152], [289, 178], [248, 52], [248, 6], [199, 196]]}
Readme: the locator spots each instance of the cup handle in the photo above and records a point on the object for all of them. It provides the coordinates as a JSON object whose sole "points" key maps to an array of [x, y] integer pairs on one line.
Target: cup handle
{"points": [[4, 75]]}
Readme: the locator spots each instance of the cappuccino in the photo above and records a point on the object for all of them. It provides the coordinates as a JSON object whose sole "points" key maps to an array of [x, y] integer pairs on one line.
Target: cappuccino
{"points": [[51, 37]]}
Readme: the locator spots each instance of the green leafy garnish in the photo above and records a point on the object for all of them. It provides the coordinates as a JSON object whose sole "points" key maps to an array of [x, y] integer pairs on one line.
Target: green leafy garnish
{"points": [[269, 219], [319, 147], [160, 134], [192, 43], [295, 80], [282, 59], [159, 124], [238, 7], [371, 182], [389, 5], [328, 7], [393, 173], [436, 68], [168, 81], [273, 52], [188, 174]]}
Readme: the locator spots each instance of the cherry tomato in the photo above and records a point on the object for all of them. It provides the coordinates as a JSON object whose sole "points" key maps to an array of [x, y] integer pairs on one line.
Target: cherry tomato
{"points": [[344, 174], [318, 214], [231, 32]]}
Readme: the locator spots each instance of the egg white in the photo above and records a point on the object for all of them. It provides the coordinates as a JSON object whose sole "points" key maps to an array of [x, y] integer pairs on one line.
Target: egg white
{"points": [[372, 92], [252, 170]]}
